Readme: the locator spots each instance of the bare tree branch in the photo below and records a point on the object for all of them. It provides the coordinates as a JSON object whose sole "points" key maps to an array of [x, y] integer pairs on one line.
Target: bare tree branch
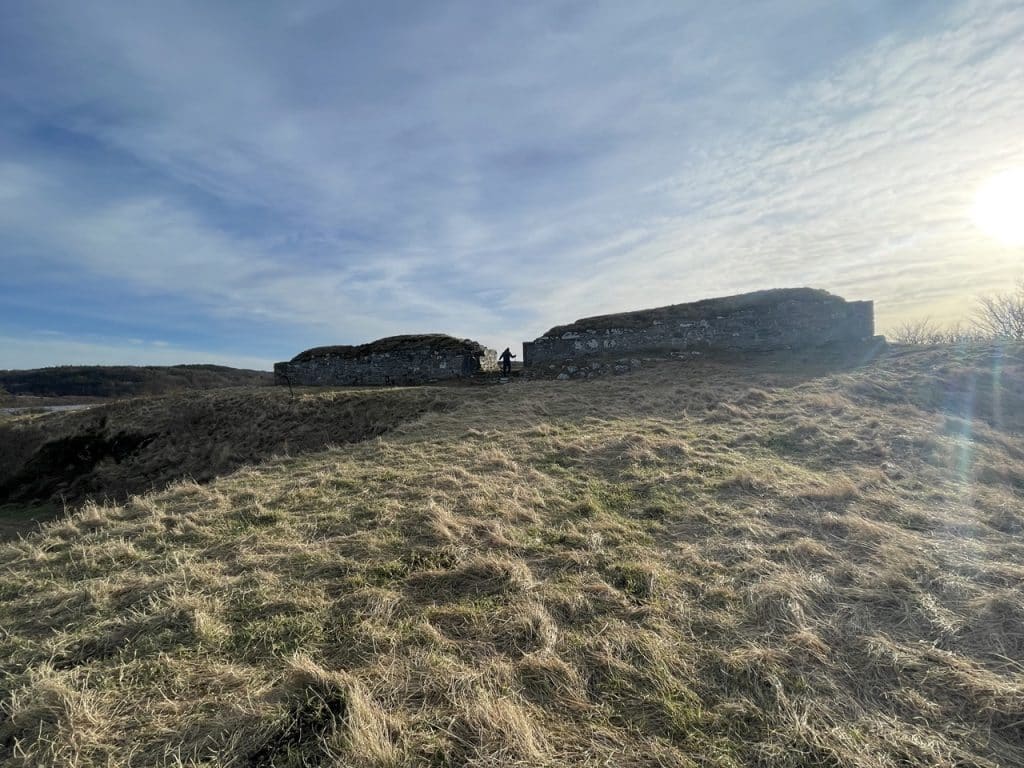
{"points": [[1001, 316], [927, 331]]}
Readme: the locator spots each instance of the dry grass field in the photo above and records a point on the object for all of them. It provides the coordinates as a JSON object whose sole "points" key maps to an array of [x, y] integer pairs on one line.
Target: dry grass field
{"points": [[109, 451], [776, 562]]}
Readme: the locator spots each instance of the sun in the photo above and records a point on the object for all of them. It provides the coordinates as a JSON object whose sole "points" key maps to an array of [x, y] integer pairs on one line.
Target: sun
{"points": [[999, 207]]}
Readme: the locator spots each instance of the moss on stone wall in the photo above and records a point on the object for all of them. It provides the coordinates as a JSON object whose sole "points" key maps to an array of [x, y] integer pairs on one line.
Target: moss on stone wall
{"points": [[697, 310], [433, 342]]}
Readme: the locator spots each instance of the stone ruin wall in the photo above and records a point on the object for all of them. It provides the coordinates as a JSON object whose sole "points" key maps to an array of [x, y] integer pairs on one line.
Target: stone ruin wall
{"points": [[799, 323], [384, 368]]}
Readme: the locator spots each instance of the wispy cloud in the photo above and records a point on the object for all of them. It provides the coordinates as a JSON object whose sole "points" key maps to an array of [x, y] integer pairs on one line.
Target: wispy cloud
{"points": [[250, 183]]}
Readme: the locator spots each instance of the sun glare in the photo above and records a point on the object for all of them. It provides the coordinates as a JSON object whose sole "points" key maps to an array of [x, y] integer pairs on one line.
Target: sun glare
{"points": [[999, 207]]}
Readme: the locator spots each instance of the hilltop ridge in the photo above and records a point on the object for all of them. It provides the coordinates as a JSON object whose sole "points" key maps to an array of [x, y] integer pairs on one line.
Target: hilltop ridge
{"points": [[125, 380]]}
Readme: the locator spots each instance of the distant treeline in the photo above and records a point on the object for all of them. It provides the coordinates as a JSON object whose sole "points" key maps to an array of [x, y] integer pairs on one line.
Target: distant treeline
{"points": [[125, 380]]}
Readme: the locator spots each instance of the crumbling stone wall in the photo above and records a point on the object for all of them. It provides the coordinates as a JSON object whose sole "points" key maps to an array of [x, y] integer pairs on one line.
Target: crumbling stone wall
{"points": [[762, 321], [392, 361]]}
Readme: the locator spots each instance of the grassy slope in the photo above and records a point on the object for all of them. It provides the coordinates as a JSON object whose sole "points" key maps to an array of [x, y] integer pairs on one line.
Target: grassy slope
{"points": [[696, 564], [137, 445]]}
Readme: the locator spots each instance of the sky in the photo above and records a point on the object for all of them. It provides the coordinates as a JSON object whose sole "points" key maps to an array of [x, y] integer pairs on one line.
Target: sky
{"points": [[235, 182]]}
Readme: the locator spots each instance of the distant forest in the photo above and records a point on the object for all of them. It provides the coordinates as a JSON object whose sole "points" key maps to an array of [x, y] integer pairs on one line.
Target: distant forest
{"points": [[125, 381]]}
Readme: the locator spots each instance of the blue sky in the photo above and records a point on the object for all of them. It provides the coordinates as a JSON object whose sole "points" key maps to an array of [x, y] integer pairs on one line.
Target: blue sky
{"points": [[235, 182]]}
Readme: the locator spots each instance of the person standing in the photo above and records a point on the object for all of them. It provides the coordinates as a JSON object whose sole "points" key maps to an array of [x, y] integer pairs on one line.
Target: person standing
{"points": [[506, 362]]}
